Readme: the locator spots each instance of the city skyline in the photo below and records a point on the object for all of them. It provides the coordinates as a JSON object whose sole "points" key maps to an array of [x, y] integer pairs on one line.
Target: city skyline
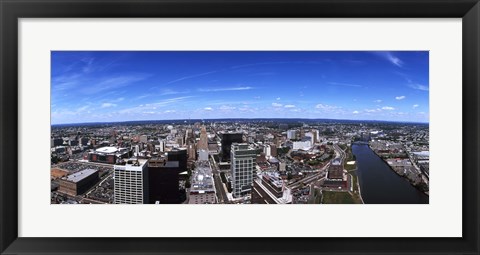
{"points": [[98, 86]]}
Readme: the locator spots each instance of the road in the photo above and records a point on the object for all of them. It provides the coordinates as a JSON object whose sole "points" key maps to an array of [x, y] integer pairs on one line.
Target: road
{"points": [[259, 196], [311, 178], [219, 186]]}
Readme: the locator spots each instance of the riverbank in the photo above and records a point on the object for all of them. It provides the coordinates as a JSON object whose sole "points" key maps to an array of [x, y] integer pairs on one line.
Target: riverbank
{"points": [[422, 187]]}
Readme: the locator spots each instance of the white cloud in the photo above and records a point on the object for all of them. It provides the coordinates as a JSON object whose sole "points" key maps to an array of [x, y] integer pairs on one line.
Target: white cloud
{"points": [[418, 86], [377, 101], [169, 111], [208, 109], [372, 110], [224, 89], [106, 105], [388, 108], [355, 112], [289, 106], [276, 105], [226, 107], [345, 84], [83, 108], [392, 59], [325, 107], [190, 77], [400, 97], [278, 98], [415, 106], [151, 106]]}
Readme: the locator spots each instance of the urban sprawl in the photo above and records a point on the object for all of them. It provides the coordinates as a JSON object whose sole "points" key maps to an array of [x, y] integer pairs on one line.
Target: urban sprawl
{"points": [[237, 161]]}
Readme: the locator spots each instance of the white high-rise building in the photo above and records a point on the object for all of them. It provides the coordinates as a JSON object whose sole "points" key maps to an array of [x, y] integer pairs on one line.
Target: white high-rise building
{"points": [[131, 182], [291, 134], [242, 167], [267, 150]]}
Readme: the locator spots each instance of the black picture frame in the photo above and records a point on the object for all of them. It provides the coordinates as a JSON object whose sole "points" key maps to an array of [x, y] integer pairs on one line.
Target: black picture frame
{"points": [[12, 10]]}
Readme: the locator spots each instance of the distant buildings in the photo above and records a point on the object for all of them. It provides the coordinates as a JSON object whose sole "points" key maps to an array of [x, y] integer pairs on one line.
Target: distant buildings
{"points": [[242, 168], [131, 182], [79, 182]]}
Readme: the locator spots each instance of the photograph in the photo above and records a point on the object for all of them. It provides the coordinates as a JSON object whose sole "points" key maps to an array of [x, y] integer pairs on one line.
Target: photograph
{"points": [[239, 127]]}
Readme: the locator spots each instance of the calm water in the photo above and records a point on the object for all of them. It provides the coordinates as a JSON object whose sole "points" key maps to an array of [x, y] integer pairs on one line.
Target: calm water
{"points": [[379, 184]]}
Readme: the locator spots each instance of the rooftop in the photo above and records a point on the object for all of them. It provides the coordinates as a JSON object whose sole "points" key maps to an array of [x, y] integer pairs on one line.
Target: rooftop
{"points": [[78, 176], [131, 164], [107, 150], [202, 179]]}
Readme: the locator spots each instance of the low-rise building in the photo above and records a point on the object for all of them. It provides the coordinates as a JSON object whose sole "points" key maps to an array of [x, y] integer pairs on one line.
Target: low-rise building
{"points": [[79, 182]]}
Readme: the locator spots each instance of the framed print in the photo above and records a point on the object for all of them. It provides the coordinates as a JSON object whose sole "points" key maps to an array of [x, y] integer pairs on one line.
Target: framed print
{"points": [[239, 127]]}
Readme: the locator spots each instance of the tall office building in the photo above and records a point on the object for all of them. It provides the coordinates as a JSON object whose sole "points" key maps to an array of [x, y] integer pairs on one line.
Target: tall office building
{"points": [[242, 167], [227, 140], [180, 155], [203, 143], [163, 181], [131, 182]]}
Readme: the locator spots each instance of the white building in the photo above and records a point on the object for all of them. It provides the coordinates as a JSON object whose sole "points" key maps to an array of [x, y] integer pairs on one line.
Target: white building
{"points": [[291, 134], [311, 135], [202, 190], [143, 139], [305, 145], [202, 155], [267, 150], [131, 182], [242, 167]]}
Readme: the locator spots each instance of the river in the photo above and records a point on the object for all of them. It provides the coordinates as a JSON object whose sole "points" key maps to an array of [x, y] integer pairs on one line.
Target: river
{"points": [[381, 185]]}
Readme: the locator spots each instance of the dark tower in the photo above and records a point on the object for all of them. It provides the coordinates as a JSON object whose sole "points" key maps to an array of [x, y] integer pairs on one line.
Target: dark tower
{"points": [[227, 140]]}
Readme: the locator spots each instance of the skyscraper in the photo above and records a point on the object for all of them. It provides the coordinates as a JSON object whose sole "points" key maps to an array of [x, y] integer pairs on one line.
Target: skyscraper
{"points": [[203, 143], [163, 181], [242, 167], [227, 140], [131, 182]]}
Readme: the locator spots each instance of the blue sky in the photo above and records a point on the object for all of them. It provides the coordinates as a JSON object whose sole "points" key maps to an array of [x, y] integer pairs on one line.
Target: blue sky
{"points": [[103, 86]]}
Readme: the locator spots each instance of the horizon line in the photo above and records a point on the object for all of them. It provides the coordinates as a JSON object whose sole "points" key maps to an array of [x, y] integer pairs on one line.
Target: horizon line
{"points": [[152, 120]]}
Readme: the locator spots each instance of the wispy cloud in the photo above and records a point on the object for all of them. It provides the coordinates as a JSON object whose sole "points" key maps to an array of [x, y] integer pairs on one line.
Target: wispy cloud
{"points": [[373, 110], [415, 106], [418, 86], [112, 82], [355, 112], [107, 105], [275, 63], [165, 92], [227, 108], [289, 106], [391, 58], [208, 109], [276, 105], [345, 84], [325, 107], [190, 77], [224, 89], [400, 97], [154, 105], [388, 108], [377, 101]]}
